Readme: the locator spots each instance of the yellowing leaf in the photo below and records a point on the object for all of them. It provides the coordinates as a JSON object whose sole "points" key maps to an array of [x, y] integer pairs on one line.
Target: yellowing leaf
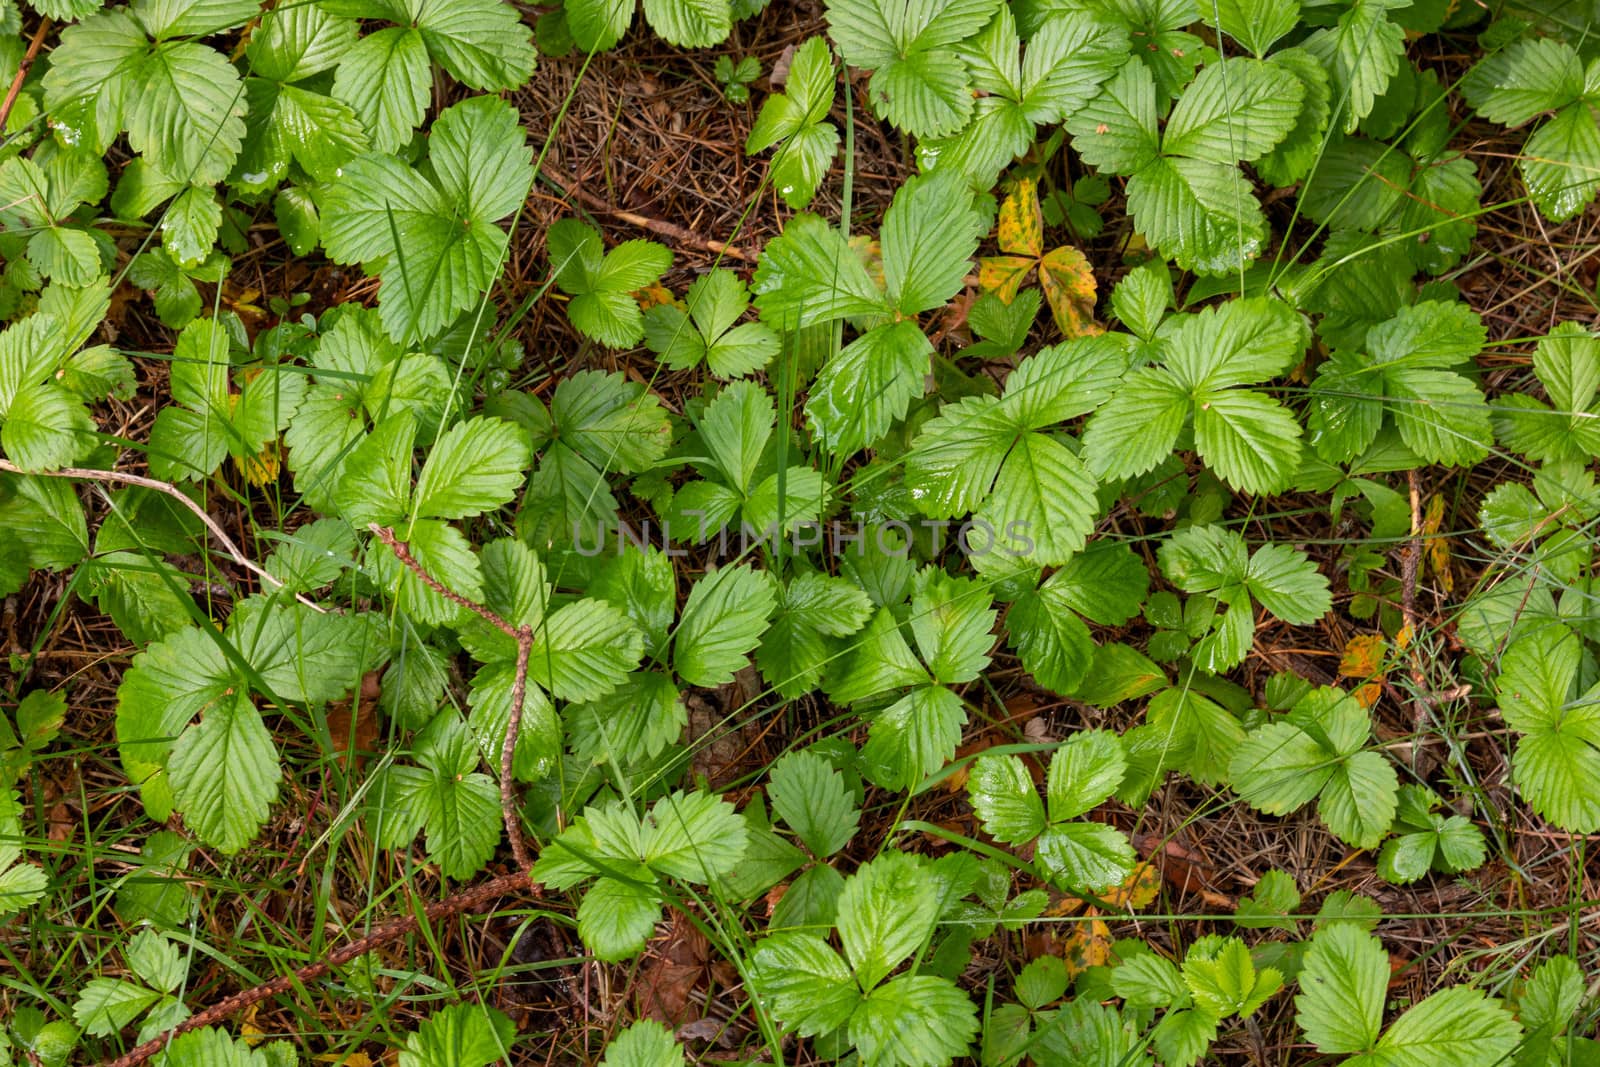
{"points": [[1438, 545], [262, 468], [1003, 275], [1021, 227], [1363, 660], [1070, 287], [1089, 945], [1137, 890]]}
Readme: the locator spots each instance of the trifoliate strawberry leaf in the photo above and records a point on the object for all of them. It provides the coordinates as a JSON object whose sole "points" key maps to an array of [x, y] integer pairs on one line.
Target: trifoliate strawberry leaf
{"points": [[1406, 375], [1066, 60], [919, 81], [1083, 773], [1104, 584], [691, 836], [445, 798], [723, 619], [985, 455], [814, 613], [433, 239], [602, 283], [1556, 764], [1340, 1008], [386, 77], [189, 442], [1250, 440], [1215, 562], [707, 329], [797, 121], [600, 424], [1184, 190], [39, 200], [1426, 841], [1318, 750]]}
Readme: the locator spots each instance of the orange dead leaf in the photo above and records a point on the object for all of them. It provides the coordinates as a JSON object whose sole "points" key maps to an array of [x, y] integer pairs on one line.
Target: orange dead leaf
{"points": [[1069, 286], [1363, 660], [653, 296], [1020, 230]]}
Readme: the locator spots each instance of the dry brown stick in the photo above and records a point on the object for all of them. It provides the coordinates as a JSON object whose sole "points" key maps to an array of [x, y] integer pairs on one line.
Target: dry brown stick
{"points": [[402, 552], [465, 900], [660, 227], [523, 636], [85, 474], [508, 749], [22, 71]]}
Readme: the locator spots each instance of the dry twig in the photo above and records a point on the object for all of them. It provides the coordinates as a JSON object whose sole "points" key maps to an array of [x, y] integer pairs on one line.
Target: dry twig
{"points": [[523, 636], [660, 227], [85, 474], [22, 71], [468, 899]]}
